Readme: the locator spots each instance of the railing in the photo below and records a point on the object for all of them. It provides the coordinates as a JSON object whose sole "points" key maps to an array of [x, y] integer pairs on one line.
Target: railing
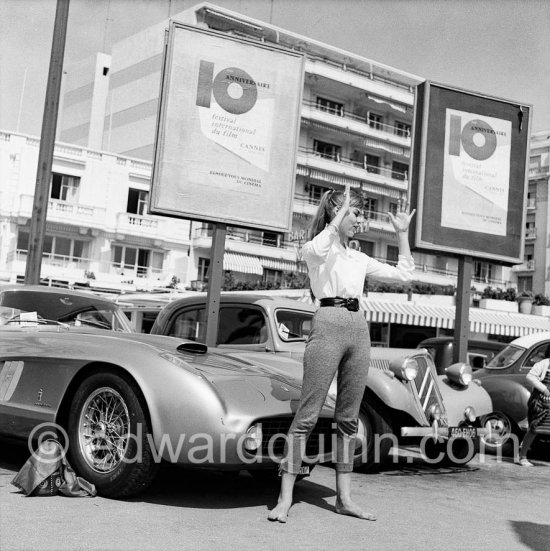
{"points": [[51, 259], [375, 125], [531, 234], [340, 159], [247, 237], [528, 266], [539, 171], [531, 204]]}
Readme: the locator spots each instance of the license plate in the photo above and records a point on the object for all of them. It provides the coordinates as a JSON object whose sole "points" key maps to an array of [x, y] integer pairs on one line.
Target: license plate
{"points": [[304, 470], [463, 432]]}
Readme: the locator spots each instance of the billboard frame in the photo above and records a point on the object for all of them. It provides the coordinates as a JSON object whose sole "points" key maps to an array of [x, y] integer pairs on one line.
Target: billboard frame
{"points": [[286, 185], [427, 233]]}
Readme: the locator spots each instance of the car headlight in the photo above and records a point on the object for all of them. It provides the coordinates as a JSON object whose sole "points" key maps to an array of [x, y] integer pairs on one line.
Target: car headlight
{"points": [[470, 414], [459, 373], [405, 369], [434, 413], [253, 438]]}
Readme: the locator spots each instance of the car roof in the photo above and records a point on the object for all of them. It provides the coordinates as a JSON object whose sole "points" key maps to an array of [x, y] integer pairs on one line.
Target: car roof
{"points": [[471, 342], [528, 341], [244, 298]]}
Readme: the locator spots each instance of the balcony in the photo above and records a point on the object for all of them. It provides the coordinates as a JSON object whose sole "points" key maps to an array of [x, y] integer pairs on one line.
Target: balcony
{"points": [[382, 136], [142, 225], [65, 212], [531, 204], [357, 170], [531, 233], [305, 204], [248, 242], [528, 266], [539, 171]]}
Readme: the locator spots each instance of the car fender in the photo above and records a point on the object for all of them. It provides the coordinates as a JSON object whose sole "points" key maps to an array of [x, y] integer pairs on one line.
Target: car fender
{"points": [[510, 396], [394, 393], [457, 398]]}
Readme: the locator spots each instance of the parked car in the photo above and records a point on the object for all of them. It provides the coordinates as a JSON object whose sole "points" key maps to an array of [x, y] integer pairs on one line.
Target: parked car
{"points": [[123, 401], [405, 397], [504, 378], [479, 353]]}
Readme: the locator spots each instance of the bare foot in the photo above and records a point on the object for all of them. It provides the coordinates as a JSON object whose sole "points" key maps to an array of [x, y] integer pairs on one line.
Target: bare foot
{"points": [[353, 510], [280, 512]]}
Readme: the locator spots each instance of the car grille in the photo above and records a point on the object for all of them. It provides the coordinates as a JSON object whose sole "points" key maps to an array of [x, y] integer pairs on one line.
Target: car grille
{"points": [[320, 440], [427, 388]]}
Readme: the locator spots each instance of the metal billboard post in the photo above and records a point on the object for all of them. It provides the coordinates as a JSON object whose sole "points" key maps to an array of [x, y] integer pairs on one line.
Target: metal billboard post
{"points": [[215, 284], [47, 144], [462, 318]]}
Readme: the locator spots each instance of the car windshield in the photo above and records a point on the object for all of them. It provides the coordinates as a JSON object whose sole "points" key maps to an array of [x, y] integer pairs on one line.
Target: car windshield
{"points": [[293, 325], [506, 357], [21, 310]]}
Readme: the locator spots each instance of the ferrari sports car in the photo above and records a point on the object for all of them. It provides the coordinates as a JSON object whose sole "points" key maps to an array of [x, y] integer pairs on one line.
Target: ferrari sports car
{"points": [[122, 402]]}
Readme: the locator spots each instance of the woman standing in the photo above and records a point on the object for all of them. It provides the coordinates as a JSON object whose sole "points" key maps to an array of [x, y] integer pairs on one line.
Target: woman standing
{"points": [[538, 407], [339, 340]]}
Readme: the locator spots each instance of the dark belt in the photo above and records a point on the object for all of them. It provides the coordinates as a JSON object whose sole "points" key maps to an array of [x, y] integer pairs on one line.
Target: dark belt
{"points": [[352, 304]]}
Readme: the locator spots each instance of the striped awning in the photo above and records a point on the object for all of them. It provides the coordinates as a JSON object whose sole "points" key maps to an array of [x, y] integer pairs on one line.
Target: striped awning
{"points": [[481, 320], [244, 263], [279, 264], [333, 178]]}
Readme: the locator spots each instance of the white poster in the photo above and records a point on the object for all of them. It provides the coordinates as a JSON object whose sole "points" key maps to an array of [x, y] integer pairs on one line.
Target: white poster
{"points": [[226, 143], [476, 172]]}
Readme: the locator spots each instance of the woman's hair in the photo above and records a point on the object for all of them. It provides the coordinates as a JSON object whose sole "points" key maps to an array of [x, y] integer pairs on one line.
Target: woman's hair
{"points": [[325, 212]]}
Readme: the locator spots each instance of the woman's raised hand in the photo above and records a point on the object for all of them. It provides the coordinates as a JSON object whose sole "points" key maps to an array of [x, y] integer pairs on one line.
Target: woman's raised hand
{"points": [[402, 219]]}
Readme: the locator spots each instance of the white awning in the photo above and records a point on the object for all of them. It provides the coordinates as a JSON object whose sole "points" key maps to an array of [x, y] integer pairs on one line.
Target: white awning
{"points": [[279, 264], [481, 320], [244, 263]]}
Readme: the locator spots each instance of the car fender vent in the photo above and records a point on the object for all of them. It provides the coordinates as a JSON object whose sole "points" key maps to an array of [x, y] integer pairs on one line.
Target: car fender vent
{"points": [[193, 348]]}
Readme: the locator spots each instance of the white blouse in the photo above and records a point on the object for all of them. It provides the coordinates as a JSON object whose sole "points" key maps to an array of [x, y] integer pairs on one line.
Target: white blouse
{"points": [[337, 271]]}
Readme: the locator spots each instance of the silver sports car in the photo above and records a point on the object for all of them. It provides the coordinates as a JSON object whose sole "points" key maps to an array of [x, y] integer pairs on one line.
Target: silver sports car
{"points": [[122, 402]]}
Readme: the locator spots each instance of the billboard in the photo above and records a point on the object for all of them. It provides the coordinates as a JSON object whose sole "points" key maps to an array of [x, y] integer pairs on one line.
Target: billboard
{"points": [[469, 174], [229, 117]]}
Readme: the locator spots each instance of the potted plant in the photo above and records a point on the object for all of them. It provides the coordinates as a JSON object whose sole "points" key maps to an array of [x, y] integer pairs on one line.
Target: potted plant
{"points": [[498, 299], [525, 301], [541, 305]]}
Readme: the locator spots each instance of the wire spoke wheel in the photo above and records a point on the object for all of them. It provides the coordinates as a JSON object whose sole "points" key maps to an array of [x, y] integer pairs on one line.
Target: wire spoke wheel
{"points": [[104, 429]]}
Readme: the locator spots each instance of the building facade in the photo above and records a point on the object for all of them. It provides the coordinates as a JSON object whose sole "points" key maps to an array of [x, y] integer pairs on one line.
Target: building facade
{"points": [[355, 129]]}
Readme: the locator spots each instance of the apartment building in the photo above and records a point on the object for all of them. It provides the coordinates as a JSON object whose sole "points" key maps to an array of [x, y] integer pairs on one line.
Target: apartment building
{"points": [[534, 273], [355, 129]]}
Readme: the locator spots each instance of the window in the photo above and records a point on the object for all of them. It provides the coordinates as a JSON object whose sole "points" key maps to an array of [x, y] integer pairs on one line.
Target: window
{"points": [[64, 188], [525, 283], [269, 238], [141, 261], [402, 129], [535, 162], [293, 325], [204, 264], [370, 207], [57, 247], [327, 150], [190, 324], [375, 121], [540, 353], [241, 325], [315, 193], [393, 208], [399, 171], [330, 106], [372, 163], [272, 276], [367, 247], [137, 201], [392, 254], [483, 271]]}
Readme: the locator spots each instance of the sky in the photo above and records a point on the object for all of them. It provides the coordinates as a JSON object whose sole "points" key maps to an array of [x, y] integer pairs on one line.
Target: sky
{"points": [[496, 47]]}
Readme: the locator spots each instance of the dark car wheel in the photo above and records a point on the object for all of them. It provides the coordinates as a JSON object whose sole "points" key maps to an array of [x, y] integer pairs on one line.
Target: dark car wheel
{"points": [[108, 432], [502, 436], [371, 452]]}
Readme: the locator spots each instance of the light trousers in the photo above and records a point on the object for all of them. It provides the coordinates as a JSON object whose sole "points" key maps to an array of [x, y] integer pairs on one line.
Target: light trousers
{"points": [[339, 343]]}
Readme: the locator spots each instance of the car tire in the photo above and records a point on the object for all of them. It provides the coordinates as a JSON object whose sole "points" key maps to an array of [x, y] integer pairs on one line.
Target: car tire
{"points": [[367, 457], [104, 408], [503, 437]]}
